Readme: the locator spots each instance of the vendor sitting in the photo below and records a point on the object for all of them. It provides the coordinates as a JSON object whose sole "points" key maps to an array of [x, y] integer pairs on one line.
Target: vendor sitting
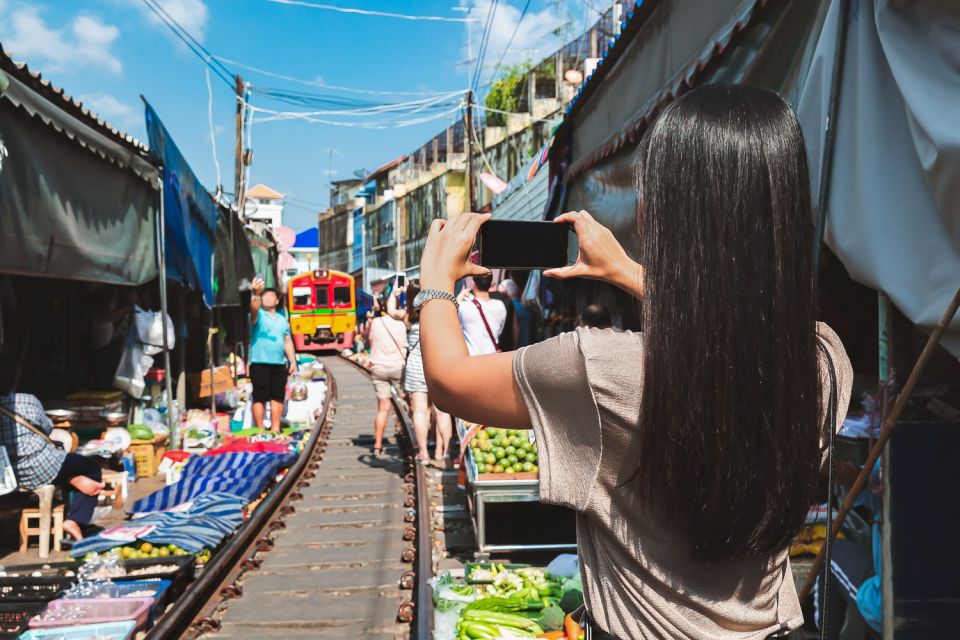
{"points": [[37, 461]]}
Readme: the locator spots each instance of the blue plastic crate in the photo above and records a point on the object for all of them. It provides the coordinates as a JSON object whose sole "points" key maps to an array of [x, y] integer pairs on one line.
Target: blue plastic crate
{"points": [[113, 630]]}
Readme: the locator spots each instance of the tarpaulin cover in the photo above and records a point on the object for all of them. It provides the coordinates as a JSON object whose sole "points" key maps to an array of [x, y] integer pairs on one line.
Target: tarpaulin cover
{"points": [[190, 213], [681, 42], [74, 203], [204, 525], [234, 262], [263, 250], [242, 474], [894, 212]]}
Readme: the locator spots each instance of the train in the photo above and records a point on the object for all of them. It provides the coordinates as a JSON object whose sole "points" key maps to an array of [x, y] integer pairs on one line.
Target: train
{"points": [[322, 306]]}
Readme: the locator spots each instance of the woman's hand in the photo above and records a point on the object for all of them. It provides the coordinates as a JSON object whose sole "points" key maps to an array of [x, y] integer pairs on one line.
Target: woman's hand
{"points": [[601, 256], [446, 254]]}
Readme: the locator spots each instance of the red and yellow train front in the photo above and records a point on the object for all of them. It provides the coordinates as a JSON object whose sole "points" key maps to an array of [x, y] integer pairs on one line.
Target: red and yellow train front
{"points": [[323, 310]]}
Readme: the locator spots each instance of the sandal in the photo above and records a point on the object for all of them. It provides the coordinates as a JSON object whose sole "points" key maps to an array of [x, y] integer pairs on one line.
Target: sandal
{"points": [[377, 452], [422, 459]]}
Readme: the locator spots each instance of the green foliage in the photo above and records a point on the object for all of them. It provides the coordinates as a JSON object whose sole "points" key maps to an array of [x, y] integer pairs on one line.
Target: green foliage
{"points": [[505, 94]]}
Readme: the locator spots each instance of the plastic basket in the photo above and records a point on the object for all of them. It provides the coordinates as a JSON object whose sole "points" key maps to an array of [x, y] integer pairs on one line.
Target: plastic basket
{"points": [[113, 630], [179, 578], [15, 617], [26, 587], [127, 589], [97, 611]]}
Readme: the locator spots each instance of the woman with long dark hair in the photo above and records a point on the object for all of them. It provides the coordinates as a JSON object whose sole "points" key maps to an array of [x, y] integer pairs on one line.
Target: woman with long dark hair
{"points": [[689, 451]]}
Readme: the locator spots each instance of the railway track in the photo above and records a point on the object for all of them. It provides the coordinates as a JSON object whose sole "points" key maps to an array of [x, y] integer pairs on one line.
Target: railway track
{"points": [[334, 549]]}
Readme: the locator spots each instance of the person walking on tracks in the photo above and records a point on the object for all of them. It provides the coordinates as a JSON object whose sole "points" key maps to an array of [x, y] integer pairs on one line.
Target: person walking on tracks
{"points": [[272, 356], [388, 352], [690, 452]]}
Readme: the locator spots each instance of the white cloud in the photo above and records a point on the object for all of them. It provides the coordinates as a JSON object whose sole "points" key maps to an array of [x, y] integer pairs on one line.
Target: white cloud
{"points": [[84, 42], [534, 37], [112, 110], [192, 15]]}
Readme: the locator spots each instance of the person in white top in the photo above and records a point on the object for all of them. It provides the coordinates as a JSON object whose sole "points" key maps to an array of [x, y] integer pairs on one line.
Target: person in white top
{"points": [[481, 329]]}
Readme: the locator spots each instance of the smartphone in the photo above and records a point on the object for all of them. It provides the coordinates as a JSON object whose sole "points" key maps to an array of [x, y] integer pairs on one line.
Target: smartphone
{"points": [[516, 244]]}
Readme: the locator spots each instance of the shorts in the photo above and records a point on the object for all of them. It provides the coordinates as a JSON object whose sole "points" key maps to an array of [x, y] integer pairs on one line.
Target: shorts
{"points": [[384, 378], [269, 382]]}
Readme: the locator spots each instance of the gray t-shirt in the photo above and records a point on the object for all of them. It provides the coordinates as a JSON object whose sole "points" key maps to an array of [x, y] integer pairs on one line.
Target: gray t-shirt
{"points": [[583, 391]]}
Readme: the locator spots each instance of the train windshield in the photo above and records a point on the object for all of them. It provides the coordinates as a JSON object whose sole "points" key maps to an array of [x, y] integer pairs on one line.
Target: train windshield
{"points": [[341, 296]]}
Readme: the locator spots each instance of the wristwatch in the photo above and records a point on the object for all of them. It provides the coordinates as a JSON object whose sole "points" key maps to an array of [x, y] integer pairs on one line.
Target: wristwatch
{"points": [[434, 294]]}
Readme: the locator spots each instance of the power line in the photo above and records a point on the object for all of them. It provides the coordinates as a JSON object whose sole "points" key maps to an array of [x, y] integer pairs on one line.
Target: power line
{"points": [[324, 85], [513, 35], [366, 12], [484, 41], [191, 42]]}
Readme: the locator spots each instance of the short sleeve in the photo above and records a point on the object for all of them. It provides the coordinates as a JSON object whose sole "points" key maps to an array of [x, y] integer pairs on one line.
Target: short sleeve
{"points": [[552, 379], [843, 372]]}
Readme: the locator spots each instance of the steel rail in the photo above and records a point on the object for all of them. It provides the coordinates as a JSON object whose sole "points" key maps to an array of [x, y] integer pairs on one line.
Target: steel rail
{"points": [[216, 580], [423, 592]]}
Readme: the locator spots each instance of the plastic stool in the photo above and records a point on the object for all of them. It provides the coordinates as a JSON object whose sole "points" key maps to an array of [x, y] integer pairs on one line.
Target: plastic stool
{"points": [[26, 530]]}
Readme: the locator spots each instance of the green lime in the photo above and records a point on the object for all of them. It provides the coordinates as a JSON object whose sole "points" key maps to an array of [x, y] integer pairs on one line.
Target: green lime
{"points": [[527, 467], [521, 454], [498, 469], [490, 459], [508, 470], [512, 459]]}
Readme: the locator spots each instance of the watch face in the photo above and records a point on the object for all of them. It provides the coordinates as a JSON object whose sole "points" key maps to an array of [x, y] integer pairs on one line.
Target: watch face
{"points": [[419, 300]]}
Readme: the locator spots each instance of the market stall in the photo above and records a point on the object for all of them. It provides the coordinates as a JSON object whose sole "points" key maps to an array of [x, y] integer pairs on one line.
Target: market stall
{"points": [[501, 471]]}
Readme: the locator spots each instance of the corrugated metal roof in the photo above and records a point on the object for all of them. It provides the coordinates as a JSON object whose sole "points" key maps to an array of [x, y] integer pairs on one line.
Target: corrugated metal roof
{"points": [[55, 94], [527, 201]]}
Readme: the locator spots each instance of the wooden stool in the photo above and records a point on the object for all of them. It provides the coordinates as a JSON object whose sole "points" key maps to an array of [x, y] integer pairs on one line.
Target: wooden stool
{"points": [[115, 487], [26, 530]]}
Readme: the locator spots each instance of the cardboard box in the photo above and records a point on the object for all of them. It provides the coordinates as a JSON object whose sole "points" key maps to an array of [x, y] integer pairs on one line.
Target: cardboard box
{"points": [[222, 381]]}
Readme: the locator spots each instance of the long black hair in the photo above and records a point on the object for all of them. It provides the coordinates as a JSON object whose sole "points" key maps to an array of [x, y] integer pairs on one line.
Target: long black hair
{"points": [[730, 414]]}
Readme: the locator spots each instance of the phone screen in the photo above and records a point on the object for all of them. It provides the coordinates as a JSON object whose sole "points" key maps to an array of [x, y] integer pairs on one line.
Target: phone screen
{"points": [[514, 244]]}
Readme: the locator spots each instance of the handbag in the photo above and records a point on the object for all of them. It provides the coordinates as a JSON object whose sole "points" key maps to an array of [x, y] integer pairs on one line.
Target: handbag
{"points": [[493, 339]]}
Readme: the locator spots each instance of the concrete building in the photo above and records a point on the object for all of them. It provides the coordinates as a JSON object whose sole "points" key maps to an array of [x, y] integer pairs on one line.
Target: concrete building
{"points": [[269, 206]]}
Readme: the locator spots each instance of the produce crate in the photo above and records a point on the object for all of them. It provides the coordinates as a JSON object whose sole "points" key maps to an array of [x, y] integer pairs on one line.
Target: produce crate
{"points": [[26, 587], [178, 578], [147, 455], [127, 589], [97, 611], [15, 617], [470, 566], [108, 631]]}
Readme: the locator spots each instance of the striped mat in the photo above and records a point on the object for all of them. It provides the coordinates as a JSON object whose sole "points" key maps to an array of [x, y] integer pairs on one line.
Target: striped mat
{"points": [[204, 525], [241, 474]]}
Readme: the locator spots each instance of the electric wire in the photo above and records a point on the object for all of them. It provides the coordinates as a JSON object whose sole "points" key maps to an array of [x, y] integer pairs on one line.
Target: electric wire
{"points": [[368, 12], [324, 85], [513, 35], [484, 41], [191, 42], [213, 138]]}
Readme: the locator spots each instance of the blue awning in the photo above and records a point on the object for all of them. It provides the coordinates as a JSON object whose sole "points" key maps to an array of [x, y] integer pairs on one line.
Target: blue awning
{"points": [[190, 213]]}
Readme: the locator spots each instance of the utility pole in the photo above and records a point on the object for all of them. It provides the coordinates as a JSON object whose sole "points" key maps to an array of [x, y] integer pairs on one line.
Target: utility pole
{"points": [[471, 202], [238, 151]]}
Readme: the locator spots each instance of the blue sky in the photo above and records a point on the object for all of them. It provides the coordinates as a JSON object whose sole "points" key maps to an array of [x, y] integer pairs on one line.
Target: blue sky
{"points": [[109, 52]]}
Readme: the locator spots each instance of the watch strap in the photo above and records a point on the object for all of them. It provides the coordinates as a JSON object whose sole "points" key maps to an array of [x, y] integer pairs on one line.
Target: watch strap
{"points": [[427, 295]]}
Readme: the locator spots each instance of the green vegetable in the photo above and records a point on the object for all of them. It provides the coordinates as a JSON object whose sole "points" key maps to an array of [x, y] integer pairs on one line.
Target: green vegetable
{"points": [[505, 605], [551, 618], [481, 630], [503, 619], [140, 432]]}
